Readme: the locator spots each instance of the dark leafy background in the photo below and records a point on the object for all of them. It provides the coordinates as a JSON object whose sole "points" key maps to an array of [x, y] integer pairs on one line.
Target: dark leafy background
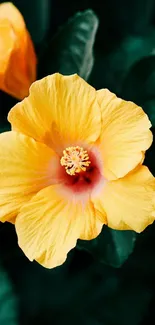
{"points": [[109, 280]]}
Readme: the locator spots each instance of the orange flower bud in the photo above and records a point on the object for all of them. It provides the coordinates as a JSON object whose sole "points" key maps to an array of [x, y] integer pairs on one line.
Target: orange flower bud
{"points": [[17, 54]]}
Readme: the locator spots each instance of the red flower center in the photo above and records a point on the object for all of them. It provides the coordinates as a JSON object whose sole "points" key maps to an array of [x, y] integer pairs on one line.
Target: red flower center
{"points": [[80, 170]]}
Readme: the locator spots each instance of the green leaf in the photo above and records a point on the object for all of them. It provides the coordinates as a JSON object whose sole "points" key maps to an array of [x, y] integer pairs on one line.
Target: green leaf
{"points": [[8, 308], [111, 247], [82, 291], [111, 70], [139, 85], [71, 50]]}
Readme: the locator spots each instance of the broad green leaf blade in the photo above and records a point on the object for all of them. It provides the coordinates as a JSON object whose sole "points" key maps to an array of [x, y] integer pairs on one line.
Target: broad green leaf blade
{"points": [[139, 85], [111, 69], [71, 50], [111, 247], [8, 307], [82, 291]]}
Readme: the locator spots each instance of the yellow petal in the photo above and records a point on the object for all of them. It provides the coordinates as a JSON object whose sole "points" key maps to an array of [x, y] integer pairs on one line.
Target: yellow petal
{"points": [[60, 111], [129, 202], [125, 135], [25, 167], [7, 43], [49, 225], [15, 47], [17, 82], [10, 12], [93, 222]]}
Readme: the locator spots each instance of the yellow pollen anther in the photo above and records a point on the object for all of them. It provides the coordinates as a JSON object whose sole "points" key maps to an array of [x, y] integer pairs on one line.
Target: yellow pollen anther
{"points": [[75, 160]]}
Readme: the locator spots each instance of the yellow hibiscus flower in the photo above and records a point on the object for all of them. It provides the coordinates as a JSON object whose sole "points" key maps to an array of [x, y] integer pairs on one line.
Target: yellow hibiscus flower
{"points": [[17, 55], [72, 163]]}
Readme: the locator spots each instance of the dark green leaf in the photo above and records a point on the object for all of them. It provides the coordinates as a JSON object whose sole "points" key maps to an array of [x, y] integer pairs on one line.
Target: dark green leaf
{"points": [[8, 308], [71, 50], [112, 247], [82, 291], [139, 85], [111, 70]]}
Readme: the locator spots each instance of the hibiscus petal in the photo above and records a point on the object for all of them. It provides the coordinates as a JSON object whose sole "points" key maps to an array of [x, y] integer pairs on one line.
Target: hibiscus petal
{"points": [[25, 167], [125, 135], [10, 12], [7, 44], [49, 225], [93, 222], [60, 111], [129, 202], [15, 46]]}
